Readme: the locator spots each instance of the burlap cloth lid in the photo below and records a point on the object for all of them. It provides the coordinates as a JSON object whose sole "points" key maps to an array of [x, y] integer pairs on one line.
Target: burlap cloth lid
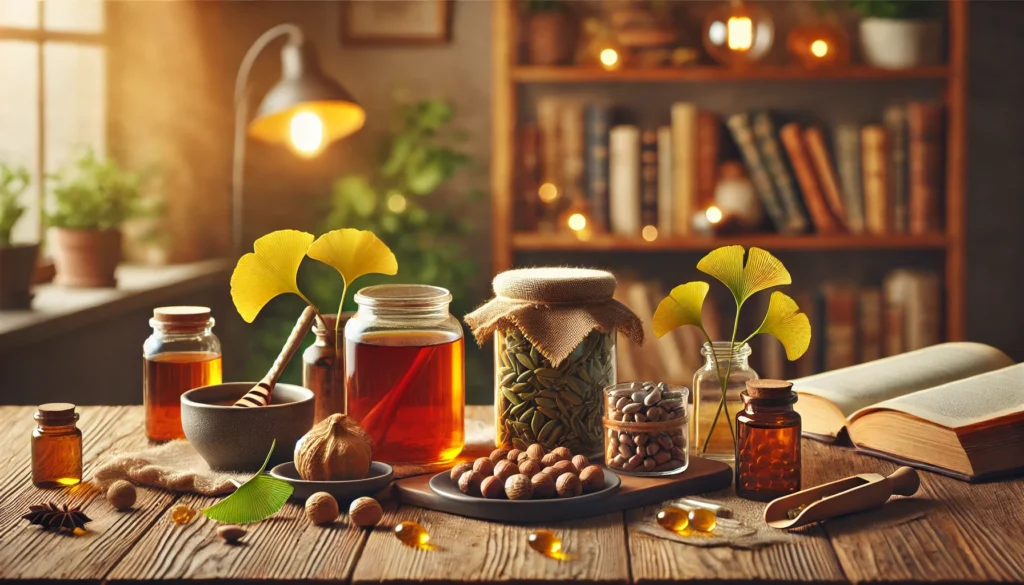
{"points": [[555, 308]]}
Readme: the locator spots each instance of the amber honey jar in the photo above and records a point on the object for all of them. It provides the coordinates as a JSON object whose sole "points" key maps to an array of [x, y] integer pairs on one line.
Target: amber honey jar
{"points": [[181, 354], [56, 446], [767, 441], [405, 373]]}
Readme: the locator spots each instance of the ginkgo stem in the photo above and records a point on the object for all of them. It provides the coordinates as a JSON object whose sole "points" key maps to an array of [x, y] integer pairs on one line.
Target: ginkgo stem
{"points": [[724, 383], [337, 322]]}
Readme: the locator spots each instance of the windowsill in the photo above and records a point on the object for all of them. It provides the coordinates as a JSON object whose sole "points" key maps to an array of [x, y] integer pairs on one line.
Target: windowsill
{"points": [[57, 309]]}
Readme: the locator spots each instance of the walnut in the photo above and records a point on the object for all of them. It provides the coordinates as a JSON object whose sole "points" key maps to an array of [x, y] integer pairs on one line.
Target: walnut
{"points": [[580, 461], [513, 456], [592, 478], [505, 469], [492, 488], [322, 508], [563, 453], [523, 456], [543, 485], [535, 451], [549, 460], [568, 485], [483, 466], [121, 495], [458, 470], [335, 449], [529, 468], [469, 483], [497, 455], [564, 466], [518, 487], [365, 512]]}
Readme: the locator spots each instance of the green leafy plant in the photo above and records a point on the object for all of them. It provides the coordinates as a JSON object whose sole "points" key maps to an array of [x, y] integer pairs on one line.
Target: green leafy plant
{"points": [[895, 9], [13, 183], [97, 194], [762, 271], [255, 500]]}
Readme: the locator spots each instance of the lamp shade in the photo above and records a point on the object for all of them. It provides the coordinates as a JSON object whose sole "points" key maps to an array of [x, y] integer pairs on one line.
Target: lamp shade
{"points": [[305, 109]]}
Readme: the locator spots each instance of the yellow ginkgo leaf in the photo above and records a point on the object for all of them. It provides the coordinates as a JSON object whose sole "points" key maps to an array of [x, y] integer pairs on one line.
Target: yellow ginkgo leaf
{"points": [[785, 322], [269, 271], [354, 253], [681, 307], [761, 271]]}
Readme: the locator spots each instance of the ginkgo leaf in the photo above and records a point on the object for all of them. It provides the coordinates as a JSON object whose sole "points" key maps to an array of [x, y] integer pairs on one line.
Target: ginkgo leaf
{"points": [[269, 271], [353, 253], [255, 500], [761, 271], [785, 322], [681, 307]]}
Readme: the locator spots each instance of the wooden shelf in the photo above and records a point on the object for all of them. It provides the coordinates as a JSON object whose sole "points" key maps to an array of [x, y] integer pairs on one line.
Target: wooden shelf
{"points": [[535, 74], [535, 242]]}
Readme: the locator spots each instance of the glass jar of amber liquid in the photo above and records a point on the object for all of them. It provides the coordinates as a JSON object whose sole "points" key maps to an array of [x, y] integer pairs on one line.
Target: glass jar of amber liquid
{"points": [[319, 373], [56, 446], [768, 441], [405, 373], [181, 354]]}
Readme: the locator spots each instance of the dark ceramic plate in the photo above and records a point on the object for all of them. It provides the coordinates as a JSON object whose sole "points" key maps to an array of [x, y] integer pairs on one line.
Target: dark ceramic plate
{"points": [[377, 479], [519, 510]]}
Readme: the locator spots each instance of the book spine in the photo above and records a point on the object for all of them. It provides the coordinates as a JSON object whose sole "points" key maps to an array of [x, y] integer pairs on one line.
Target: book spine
{"points": [[665, 210], [529, 180], [847, 149], [708, 142], [895, 290], [870, 324], [924, 122], [807, 365], [782, 178], [739, 126], [873, 164], [895, 119], [840, 303], [684, 166], [597, 121], [551, 153], [792, 139], [814, 139], [624, 180], [649, 178], [923, 307]]}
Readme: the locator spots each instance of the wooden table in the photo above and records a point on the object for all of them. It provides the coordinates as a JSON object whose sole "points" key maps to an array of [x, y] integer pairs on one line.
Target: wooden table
{"points": [[970, 533]]}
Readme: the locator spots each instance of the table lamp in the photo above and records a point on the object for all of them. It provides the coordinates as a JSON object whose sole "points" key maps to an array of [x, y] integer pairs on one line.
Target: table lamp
{"points": [[305, 110]]}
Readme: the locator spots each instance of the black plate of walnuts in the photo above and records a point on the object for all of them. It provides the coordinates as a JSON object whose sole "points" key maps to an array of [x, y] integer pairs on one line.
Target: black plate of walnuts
{"points": [[534, 479]]}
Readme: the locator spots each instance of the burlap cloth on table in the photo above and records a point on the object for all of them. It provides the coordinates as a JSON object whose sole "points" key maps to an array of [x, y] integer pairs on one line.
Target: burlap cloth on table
{"points": [[555, 308]]}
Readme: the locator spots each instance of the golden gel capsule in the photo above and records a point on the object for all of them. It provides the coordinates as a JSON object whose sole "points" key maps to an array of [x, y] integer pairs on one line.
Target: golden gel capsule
{"points": [[674, 519], [702, 520], [412, 534], [182, 514], [545, 542]]}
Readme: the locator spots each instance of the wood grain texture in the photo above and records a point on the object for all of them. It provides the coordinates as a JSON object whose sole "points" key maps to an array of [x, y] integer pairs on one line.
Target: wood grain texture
{"points": [[476, 551]]}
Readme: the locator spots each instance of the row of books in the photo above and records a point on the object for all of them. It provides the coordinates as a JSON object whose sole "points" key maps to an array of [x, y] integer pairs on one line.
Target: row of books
{"points": [[883, 178], [850, 325]]}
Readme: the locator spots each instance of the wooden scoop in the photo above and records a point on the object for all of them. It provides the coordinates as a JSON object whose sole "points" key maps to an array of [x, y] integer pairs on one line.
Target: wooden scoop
{"points": [[260, 393], [846, 496]]}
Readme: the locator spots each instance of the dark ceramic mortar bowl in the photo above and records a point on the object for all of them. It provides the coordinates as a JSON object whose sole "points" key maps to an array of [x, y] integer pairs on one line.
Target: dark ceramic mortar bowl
{"points": [[238, 439]]}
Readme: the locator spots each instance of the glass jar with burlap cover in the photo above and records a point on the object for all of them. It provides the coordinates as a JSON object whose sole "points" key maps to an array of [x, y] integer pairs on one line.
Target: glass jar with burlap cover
{"points": [[554, 352]]}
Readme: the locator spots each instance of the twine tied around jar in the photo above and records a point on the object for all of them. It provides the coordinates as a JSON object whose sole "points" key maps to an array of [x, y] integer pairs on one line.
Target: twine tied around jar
{"points": [[555, 308]]}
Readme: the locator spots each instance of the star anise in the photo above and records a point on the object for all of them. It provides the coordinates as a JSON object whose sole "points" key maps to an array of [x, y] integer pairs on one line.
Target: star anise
{"points": [[53, 517]]}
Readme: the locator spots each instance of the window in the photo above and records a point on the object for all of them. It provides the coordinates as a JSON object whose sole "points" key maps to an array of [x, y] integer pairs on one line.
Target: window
{"points": [[52, 91]]}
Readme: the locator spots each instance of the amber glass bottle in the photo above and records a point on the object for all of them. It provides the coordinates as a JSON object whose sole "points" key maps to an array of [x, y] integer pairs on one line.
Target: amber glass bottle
{"points": [[768, 441], [56, 446], [181, 354], [319, 373]]}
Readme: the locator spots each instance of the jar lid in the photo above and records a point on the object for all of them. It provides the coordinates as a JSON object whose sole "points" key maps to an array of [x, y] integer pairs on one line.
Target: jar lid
{"points": [[766, 388], [555, 285], [182, 315], [55, 411]]}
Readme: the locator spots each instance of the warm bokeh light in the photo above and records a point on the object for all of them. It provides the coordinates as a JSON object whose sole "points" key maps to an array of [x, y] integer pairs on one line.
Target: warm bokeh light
{"points": [[713, 214], [396, 203], [819, 48], [740, 33], [306, 131], [547, 192], [609, 59], [577, 222], [649, 233]]}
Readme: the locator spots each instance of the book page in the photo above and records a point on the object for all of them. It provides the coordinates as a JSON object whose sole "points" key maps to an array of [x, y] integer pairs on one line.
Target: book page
{"points": [[964, 402], [863, 385]]}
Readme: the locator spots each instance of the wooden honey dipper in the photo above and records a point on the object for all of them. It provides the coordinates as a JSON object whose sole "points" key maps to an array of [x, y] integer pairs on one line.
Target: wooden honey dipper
{"points": [[260, 393]]}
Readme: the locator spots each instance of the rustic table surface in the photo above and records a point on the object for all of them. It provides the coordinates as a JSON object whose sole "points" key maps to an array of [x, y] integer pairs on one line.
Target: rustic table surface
{"points": [[970, 533]]}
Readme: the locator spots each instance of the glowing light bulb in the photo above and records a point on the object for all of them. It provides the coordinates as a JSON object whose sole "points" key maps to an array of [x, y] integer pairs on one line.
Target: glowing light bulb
{"points": [[713, 214], [397, 203], [577, 222], [307, 133], [649, 233], [609, 58], [740, 33], [819, 48], [547, 192]]}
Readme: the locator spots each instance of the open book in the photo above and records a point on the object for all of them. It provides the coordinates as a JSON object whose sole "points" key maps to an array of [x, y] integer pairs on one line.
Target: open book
{"points": [[953, 408]]}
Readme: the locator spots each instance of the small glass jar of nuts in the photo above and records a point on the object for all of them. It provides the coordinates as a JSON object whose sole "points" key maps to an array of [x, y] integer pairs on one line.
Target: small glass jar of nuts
{"points": [[533, 473], [646, 428]]}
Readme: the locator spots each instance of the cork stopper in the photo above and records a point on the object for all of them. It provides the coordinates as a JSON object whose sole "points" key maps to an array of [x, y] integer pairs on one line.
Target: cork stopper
{"points": [[769, 388], [55, 412], [182, 315]]}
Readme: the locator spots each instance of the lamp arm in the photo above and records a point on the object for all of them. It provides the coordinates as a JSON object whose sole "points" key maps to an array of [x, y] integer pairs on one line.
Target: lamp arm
{"points": [[295, 36]]}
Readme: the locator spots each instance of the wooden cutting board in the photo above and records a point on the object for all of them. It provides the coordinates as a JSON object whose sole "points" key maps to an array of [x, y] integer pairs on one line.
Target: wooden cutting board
{"points": [[703, 475]]}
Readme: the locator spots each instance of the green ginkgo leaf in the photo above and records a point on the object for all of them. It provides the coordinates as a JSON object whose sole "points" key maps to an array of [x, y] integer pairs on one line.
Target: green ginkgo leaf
{"points": [[255, 500], [761, 271], [785, 322], [681, 307]]}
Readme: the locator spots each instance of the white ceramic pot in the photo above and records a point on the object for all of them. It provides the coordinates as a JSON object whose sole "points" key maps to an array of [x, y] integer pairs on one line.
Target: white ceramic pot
{"points": [[900, 44]]}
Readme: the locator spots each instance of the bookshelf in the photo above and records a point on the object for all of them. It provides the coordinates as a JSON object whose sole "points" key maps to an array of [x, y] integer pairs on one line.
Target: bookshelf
{"points": [[510, 78]]}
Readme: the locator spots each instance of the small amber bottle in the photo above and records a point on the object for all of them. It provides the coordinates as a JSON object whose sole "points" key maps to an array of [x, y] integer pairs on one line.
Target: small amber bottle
{"points": [[56, 446], [767, 441]]}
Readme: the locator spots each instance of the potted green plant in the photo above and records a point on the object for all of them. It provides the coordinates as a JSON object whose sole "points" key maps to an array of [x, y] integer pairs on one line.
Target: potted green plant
{"points": [[549, 37], [91, 201], [899, 34], [17, 261]]}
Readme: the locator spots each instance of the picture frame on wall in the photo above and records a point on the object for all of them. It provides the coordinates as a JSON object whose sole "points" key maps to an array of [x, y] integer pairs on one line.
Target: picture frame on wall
{"points": [[396, 22]]}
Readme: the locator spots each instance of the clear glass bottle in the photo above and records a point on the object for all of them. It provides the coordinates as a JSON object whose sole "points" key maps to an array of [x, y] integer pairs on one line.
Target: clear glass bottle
{"points": [[405, 373], [182, 353], [768, 441], [712, 430], [318, 372], [56, 446]]}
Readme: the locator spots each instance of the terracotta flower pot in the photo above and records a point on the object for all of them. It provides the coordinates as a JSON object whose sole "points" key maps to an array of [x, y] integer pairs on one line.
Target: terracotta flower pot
{"points": [[17, 264], [548, 38], [85, 258]]}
